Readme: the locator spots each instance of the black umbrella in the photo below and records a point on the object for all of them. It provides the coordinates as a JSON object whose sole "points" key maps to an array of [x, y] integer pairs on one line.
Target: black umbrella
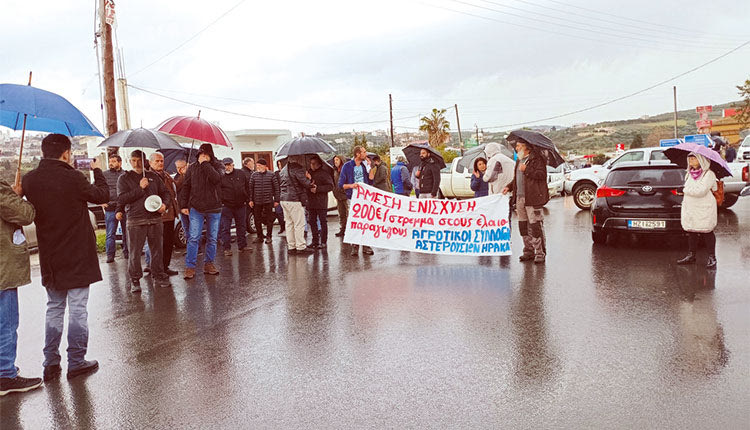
{"points": [[470, 156], [140, 138], [411, 152], [305, 145], [542, 144]]}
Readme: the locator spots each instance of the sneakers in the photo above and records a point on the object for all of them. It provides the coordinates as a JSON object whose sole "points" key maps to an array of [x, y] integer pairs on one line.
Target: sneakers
{"points": [[18, 384], [189, 273], [227, 252], [210, 269], [88, 367], [135, 286], [688, 259], [51, 372]]}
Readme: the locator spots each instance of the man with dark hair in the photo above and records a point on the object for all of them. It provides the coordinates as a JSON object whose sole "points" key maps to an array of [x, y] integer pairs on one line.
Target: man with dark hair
{"points": [[428, 173], [354, 173], [67, 249], [264, 197], [167, 218], [234, 198], [200, 198], [110, 210], [380, 175], [317, 197], [133, 188], [293, 196], [15, 272]]}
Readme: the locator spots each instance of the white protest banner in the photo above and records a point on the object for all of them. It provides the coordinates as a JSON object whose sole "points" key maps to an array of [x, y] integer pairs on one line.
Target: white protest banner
{"points": [[450, 227]]}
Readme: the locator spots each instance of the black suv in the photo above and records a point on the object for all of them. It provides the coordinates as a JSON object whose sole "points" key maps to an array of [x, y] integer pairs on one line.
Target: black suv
{"points": [[638, 198]]}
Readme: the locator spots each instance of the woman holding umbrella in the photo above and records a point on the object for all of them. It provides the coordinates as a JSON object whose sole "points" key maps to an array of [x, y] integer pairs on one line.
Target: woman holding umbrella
{"points": [[698, 213]]}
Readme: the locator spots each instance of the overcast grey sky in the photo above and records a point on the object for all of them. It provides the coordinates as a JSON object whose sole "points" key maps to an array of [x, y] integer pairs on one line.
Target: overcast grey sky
{"points": [[335, 61]]}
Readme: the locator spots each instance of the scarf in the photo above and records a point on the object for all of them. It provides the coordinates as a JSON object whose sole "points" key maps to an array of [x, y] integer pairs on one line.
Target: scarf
{"points": [[696, 173]]}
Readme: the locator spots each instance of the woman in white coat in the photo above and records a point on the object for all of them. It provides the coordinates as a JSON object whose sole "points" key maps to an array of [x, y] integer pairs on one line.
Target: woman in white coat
{"points": [[500, 168], [698, 215]]}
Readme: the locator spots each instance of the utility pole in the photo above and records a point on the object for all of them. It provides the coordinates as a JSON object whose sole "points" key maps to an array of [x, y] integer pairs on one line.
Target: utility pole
{"points": [[458, 123], [390, 104], [674, 91], [108, 67], [477, 127]]}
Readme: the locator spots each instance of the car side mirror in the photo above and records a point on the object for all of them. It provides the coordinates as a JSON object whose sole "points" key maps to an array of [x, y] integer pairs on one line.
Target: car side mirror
{"points": [[745, 192]]}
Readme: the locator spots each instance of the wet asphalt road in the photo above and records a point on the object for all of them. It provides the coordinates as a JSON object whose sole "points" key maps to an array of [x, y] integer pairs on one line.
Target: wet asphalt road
{"points": [[601, 337]]}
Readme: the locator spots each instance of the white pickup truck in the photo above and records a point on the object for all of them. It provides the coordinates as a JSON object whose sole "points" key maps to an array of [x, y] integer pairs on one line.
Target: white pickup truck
{"points": [[455, 181], [582, 183]]}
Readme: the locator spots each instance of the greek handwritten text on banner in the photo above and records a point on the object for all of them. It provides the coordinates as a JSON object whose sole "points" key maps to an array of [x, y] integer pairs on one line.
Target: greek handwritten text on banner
{"points": [[452, 227]]}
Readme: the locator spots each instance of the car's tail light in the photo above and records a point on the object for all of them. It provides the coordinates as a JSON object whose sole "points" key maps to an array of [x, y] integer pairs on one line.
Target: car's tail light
{"points": [[676, 192], [605, 191], [746, 173]]}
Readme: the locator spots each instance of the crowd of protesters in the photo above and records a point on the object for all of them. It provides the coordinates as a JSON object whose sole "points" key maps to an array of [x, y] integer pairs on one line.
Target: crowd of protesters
{"points": [[209, 196]]}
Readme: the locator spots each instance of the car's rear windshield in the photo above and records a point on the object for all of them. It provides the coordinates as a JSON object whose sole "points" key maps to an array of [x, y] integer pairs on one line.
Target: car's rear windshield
{"points": [[654, 177]]}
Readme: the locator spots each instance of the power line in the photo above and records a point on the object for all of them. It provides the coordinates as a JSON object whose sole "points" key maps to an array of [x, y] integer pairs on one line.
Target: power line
{"points": [[589, 24], [573, 27], [628, 95], [660, 29], [515, 24], [262, 117], [191, 37]]}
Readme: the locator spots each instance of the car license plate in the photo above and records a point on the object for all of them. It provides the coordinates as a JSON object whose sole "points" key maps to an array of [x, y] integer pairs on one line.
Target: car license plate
{"points": [[651, 225]]}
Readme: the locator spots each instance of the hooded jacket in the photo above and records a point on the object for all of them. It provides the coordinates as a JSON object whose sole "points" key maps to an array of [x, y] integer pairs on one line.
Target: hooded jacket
{"points": [[201, 189], [499, 173], [294, 183], [14, 213], [67, 244], [698, 212]]}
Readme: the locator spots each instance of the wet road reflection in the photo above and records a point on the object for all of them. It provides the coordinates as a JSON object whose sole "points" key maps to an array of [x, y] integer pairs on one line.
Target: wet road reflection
{"points": [[612, 336]]}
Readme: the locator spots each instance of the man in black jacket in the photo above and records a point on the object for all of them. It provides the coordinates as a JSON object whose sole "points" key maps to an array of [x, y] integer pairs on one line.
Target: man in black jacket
{"points": [[429, 176], [264, 197], [133, 188], [530, 194], [248, 168], [234, 197], [317, 197], [110, 210], [67, 249], [200, 199], [294, 186]]}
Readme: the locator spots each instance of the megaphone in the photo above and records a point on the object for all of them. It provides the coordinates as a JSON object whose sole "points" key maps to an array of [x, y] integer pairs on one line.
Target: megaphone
{"points": [[152, 203]]}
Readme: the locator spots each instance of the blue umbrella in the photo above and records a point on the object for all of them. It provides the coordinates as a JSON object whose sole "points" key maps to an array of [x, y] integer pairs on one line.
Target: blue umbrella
{"points": [[41, 110], [23, 107]]}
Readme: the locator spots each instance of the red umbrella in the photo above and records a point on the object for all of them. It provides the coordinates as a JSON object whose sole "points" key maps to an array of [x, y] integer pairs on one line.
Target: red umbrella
{"points": [[195, 128]]}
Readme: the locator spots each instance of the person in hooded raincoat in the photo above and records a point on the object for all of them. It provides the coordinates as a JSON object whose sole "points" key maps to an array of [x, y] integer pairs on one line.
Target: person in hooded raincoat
{"points": [[500, 168], [698, 213]]}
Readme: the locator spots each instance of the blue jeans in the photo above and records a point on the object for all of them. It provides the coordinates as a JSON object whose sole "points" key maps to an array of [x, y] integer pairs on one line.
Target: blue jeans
{"points": [[147, 254], [225, 233], [196, 230], [280, 216], [8, 332], [185, 221], [78, 326], [316, 218], [111, 224]]}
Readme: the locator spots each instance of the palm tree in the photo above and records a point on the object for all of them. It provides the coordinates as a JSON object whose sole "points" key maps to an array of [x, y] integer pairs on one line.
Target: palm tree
{"points": [[437, 127]]}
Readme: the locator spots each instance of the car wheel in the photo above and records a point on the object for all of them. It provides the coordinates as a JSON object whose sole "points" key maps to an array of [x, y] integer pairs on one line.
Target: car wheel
{"points": [[729, 201], [599, 237], [584, 195], [180, 238]]}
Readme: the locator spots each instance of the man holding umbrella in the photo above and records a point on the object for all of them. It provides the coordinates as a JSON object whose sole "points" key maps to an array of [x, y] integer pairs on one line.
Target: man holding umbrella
{"points": [[428, 174], [144, 224], [530, 193]]}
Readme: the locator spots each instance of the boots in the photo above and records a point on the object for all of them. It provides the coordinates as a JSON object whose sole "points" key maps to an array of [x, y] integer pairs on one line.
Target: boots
{"points": [[539, 254], [711, 262], [528, 249], [689, 259]]}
